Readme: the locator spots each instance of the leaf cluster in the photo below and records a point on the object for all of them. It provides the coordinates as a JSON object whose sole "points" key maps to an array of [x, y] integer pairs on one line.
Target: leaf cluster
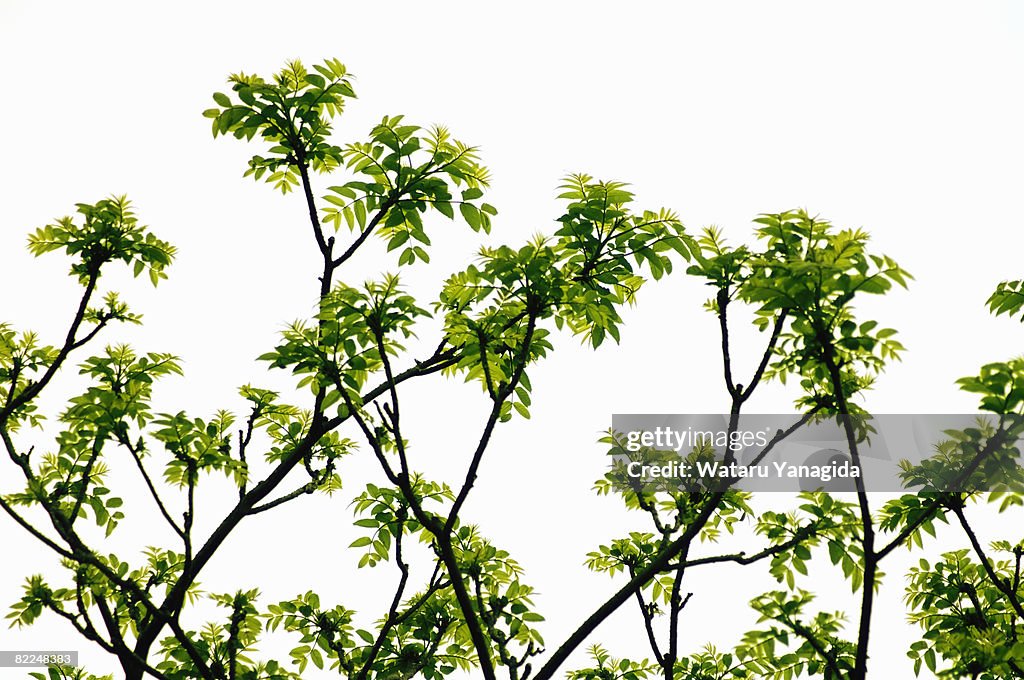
{"points": [[109, 231]]}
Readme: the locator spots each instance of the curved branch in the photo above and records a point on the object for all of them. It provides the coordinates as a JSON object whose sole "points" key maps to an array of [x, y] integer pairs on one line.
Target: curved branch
{"points": [[32, 390]]}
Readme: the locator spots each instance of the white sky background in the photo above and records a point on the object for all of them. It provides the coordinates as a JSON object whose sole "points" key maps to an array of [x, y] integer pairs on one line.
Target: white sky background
{"points": [[901, 118]]}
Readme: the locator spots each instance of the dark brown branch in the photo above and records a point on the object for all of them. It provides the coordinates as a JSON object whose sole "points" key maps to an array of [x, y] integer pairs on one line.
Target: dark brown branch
{"points": [[646, 611], [82, 629], [190, 517], [131, 662], [676, 604], [998, 439], [816, 645], [365, 234], [783, 434], [442, 542], [681, 544], [867, 523], [244, 438], [801, 535], [723, 323], [41, 537], [97, 447], [87, 624], [258, 493], [137, 457], [391, 619], [1016, 568], [780, 322], [305, 489], [488, 382], [503, 393], [87, 338], [314, 217], [649, 508], [643, 576], [394, 414], [435, 584], [1003, 585], [657, 565], [175, 598], [32, 390]]}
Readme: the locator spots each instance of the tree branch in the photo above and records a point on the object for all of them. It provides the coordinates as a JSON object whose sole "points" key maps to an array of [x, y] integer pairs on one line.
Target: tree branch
{"points": [[502, 394], [442, 543], [391, 620], [816, 645], [780, 322], [1003, 585], [723, 324], [867, 524], [32, 390], [801, 535], [137, 457], [305, 489], [365, 234], [995, 441], [676, 604]]}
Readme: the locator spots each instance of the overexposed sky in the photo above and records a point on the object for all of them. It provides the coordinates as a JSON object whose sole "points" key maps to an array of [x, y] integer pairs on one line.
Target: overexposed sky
{"points": [[901, 118]]}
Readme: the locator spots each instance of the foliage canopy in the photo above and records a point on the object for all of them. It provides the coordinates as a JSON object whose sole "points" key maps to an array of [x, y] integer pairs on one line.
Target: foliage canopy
{"points": [[461, 603]]}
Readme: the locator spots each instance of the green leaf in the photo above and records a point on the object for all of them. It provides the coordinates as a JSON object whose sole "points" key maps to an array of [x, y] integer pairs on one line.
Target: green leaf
{"points": [[471, 215]]}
